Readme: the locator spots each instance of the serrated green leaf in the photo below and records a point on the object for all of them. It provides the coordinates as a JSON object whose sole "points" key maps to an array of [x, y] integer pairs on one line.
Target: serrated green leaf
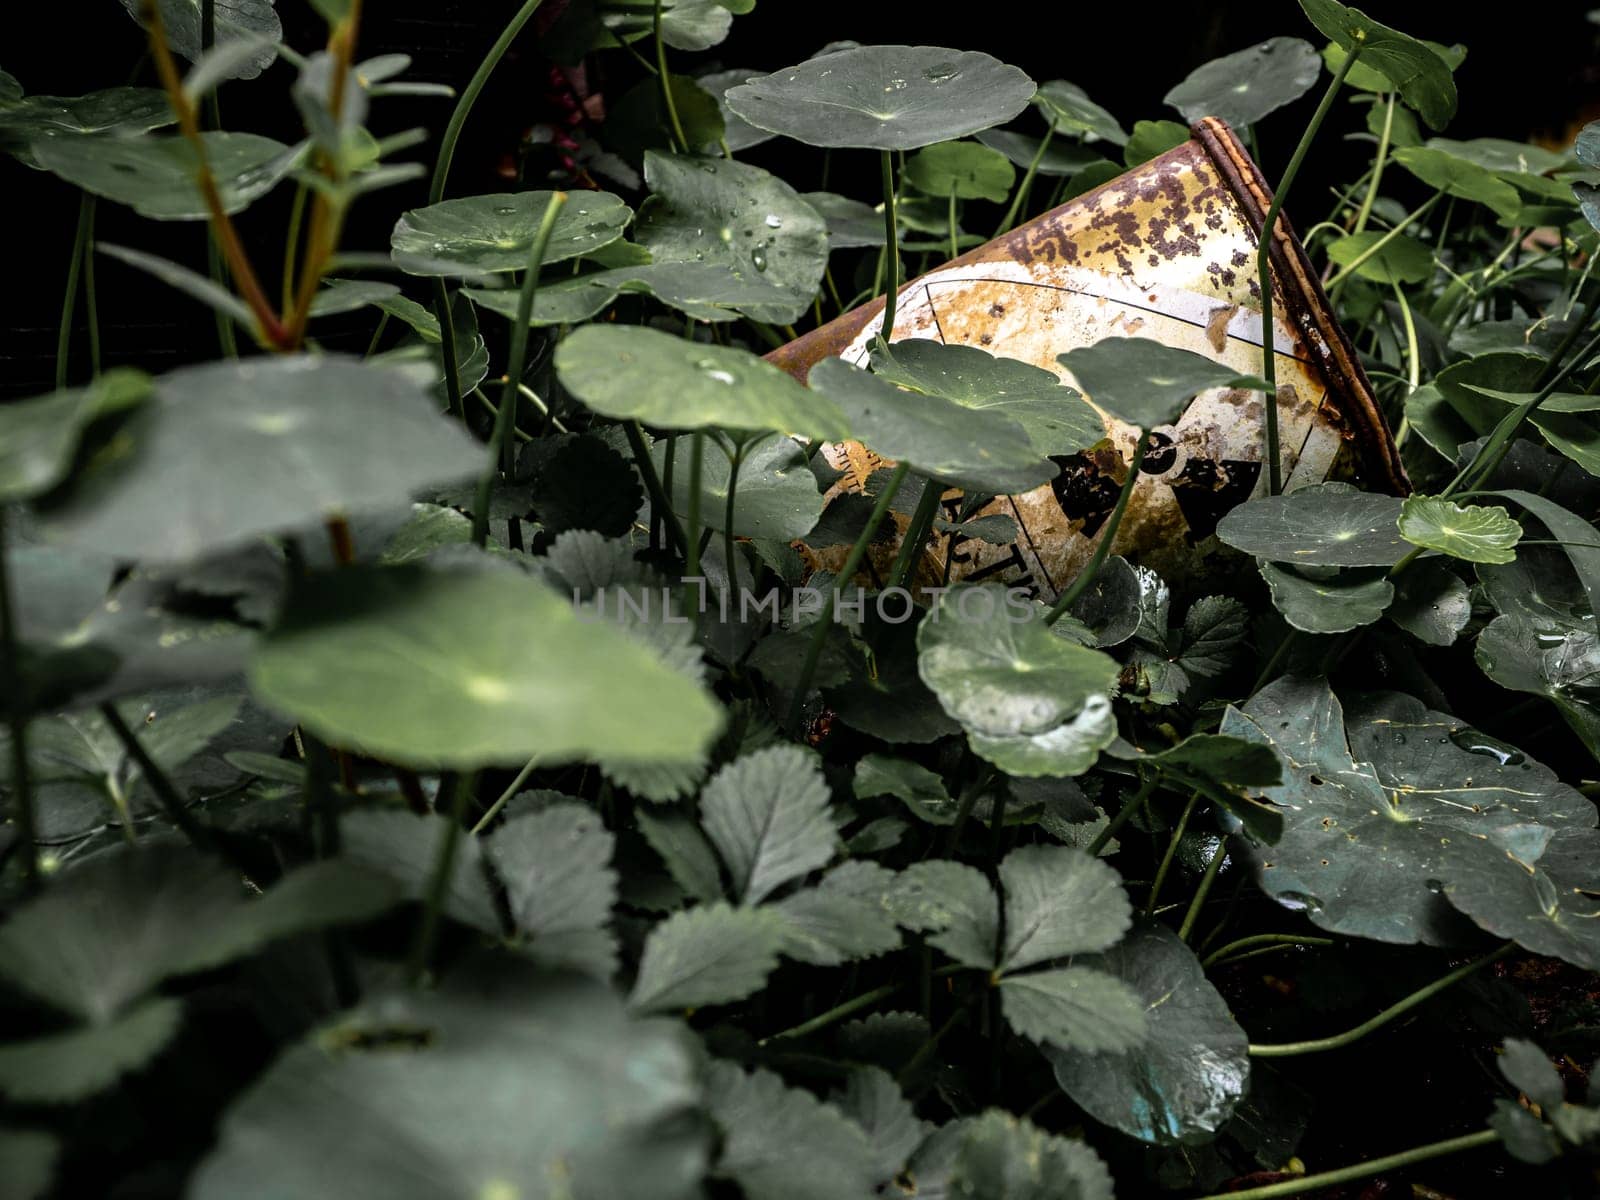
{"points": [[556, 867], [767, 815], [714, 954], [1076, 1007], [1059, 903], [61, 1068]]}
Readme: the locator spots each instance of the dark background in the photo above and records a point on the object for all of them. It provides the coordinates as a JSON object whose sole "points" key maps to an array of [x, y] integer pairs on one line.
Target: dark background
{"points": [[1532, 72]]}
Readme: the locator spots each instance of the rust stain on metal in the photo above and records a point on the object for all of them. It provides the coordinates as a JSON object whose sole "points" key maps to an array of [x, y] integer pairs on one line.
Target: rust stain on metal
{"points": [[1165, 251]]}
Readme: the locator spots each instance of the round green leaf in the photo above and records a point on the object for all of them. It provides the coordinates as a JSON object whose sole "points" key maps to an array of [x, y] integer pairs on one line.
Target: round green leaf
{"points": [[183, 21], [228, 451], [39, 437], [1245, 86], [1185, 1079], [1068, 108], [155, 176], [1069, 749], [702, 291], [1457, 176], [1498, 154], [422, 1094], [482, 667], [1431, 603], [1402, 259], [118, 112], [1420, 75], [1055, 417], [968, 447], [965, 170], [717, 210], [1151, 139], [737, 132], [631, 372], [1543, 893], [884, 97], [1145, 382], [1000, 669], [851, 223], [1335, 605], [1060, 158], [1329, 525], [1475, 532], [480, 235], [775, 494], [1380, 805]]}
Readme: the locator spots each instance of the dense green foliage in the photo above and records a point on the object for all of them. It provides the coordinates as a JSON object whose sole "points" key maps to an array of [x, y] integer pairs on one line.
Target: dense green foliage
{"points": [[401, 802]]}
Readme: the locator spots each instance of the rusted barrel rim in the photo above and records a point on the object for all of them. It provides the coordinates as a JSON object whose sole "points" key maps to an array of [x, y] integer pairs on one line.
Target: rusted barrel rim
{"points": [[1309, 309]]}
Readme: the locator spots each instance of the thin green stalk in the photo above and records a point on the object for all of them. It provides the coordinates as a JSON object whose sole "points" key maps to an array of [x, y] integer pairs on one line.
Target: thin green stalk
{"points": [[447, 349], [1124, 815], [1269, 365], [665, 80], [916, 534], [1398, 1009], [891, 252], [730, 560], [444, 866], [91, 300], [1355, 264], [469, 97], [217, 269], [15, 699], [69, 302], [1378, 161], [1107, 535], [441, 173], [377, 335], [1020, 196], [1413, 361], [661, 508], [1171, 853], [1364, 1170], [1198, 901], [1262, 939], [852, 564], [924, 1051], [319, 794], [837, 1013], [955, 240], [968, 801], [499, 440], [511, 790], [291, 244], [691, 532]]}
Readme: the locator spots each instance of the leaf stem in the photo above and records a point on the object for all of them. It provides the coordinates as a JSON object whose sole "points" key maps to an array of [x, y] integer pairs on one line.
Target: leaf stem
{"points": [[444, 867], [511, 790], [1398, 1009], [661, 506], [1262, 939], [1124, 815], [1198, 900], [1171, 853], [17, 703], [852, 564], [239, 265], [69, 301], [505, 418], [1025, 185], [728, 552], [665, 79], [916, 534], [691, 532], [1363, 1170], [1378, 161], [891, 253], [1107, 535], [1269, 227]]}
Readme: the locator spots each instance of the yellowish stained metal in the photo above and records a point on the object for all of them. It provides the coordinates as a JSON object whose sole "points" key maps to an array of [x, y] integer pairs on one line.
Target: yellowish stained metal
{"points": [[1166, 251]]}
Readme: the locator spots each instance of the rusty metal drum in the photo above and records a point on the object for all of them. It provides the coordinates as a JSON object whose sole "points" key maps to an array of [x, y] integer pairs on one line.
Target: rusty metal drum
{"points": [[1166, 251]]}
